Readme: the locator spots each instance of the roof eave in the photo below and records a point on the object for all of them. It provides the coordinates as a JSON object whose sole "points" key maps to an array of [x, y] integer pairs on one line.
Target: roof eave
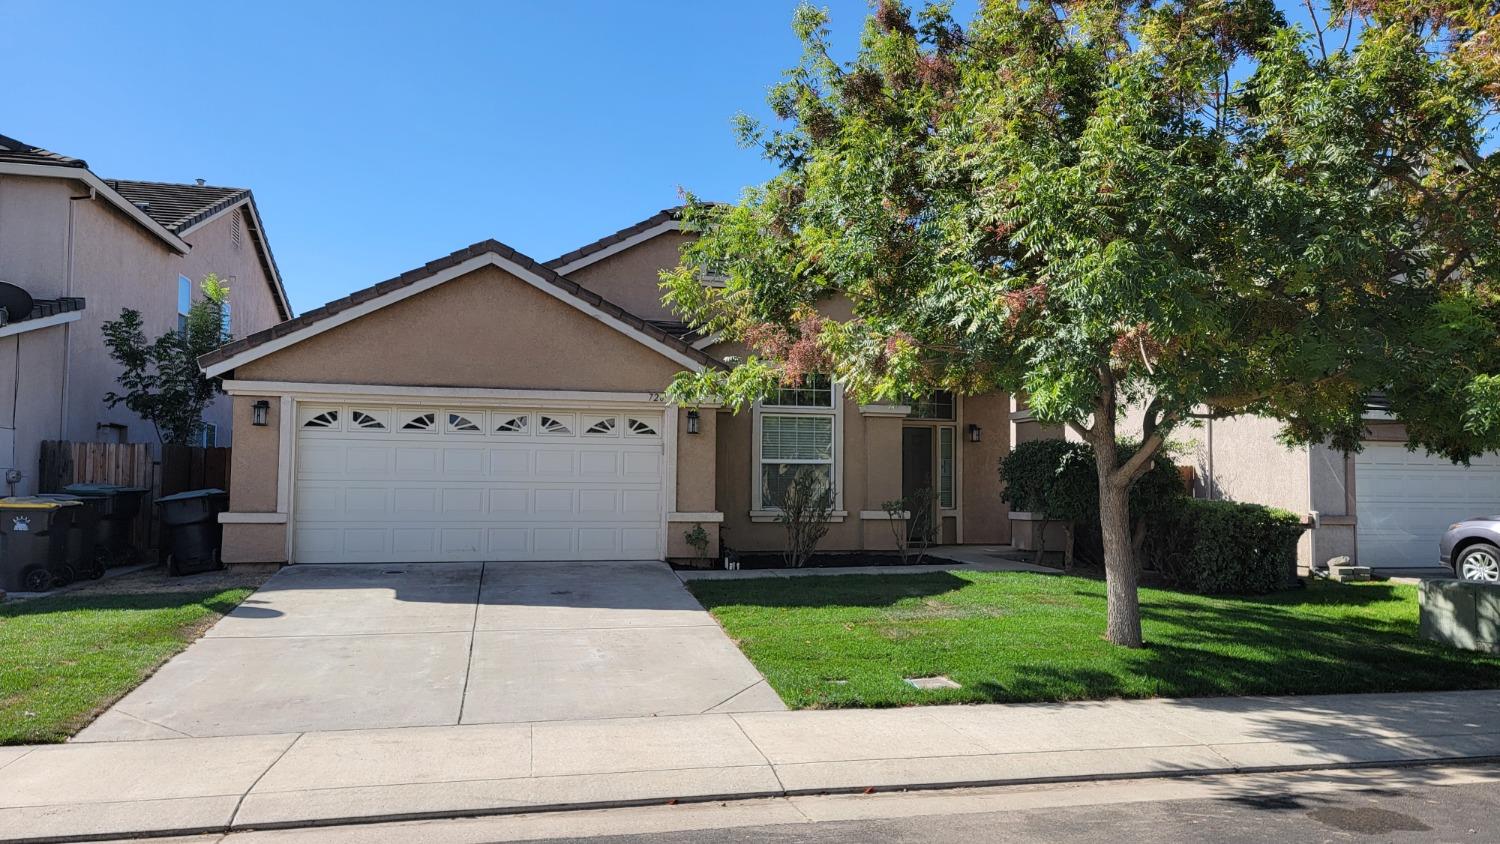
{"points": [[93, 182]]}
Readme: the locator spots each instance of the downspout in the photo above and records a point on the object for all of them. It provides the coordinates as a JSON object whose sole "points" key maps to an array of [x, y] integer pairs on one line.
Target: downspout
{"points": [[1213, 481], [62, 422]]}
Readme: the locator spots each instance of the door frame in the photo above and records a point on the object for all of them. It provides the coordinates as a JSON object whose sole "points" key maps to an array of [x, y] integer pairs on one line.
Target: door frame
{"points": [[292, 393], [956, 512]]}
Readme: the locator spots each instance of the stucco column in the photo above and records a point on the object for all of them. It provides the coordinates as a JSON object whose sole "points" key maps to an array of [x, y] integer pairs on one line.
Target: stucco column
{"points": [[882, 472], [697, 484], [255, 525]]}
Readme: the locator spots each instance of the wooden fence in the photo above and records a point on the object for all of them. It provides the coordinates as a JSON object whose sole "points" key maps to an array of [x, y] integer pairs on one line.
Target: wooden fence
{"points": [[180, 468]]}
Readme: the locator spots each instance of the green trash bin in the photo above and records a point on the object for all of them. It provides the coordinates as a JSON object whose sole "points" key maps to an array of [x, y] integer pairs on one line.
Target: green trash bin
{"points": [[84, 555], [34, 534], [118, 508]]}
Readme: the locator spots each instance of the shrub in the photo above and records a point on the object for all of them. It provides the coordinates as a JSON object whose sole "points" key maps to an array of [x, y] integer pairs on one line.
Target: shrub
{"points": [[1215, 547], [1059, 480], [806, 505]]}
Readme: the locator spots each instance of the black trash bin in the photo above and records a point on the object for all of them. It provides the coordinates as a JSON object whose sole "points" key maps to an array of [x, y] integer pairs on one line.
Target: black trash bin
{"points": [[192, 530], [34, 535], [118, 507], [84, 555]]}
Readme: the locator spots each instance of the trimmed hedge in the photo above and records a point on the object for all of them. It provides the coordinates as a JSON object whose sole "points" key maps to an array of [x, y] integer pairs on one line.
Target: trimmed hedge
{"points": [[1218, 547]]}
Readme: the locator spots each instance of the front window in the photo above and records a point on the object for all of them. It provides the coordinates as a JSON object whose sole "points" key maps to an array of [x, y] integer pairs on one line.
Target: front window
{"points": [[946, 437], [226, 321], [797, 433], [209, 436], [814, 391], [937, 405], [790, 445]]}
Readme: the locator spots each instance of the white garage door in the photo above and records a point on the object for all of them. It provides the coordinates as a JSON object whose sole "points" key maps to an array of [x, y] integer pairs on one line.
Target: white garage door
{"points": [[415, 484], [1406, 500]]}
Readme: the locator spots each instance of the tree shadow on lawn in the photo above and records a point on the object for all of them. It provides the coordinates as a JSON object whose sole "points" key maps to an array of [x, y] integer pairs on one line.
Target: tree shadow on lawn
{"points": [[1260, 647], [851, 590]]}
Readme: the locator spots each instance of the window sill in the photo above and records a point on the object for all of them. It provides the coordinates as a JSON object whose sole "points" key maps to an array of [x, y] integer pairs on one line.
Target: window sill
{"points": [[764, 516]]}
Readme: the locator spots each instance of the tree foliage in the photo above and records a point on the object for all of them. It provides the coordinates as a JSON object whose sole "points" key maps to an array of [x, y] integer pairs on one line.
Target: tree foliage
{"points": [[1168, 206], [161, 380]]}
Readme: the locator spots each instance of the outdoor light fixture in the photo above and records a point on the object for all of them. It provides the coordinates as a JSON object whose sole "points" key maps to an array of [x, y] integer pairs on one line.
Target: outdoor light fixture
{"points": [[974, 432], [692, 421], [258, 413]]}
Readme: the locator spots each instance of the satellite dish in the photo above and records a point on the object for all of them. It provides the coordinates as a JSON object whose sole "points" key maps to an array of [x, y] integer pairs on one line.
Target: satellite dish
{"points": [[15, 303]]}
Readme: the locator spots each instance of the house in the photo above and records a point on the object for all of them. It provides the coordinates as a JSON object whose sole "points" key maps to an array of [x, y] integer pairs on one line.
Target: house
{"points": [[489, 407], [1385, 507], [85, 247]]}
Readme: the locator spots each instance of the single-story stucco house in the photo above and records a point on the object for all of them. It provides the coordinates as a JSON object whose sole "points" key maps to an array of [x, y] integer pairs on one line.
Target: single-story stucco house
{"points": [[490, 407]]}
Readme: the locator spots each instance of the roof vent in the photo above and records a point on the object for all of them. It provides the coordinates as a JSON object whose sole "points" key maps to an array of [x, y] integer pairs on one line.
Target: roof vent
{"points": [[142, 205], [200, 182]]}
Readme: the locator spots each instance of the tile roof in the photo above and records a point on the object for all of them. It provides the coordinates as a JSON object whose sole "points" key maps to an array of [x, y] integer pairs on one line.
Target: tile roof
{"points": [[19, 152], [177, 207], [406, 279], [626, 233], [43, 308], [51, 307]]}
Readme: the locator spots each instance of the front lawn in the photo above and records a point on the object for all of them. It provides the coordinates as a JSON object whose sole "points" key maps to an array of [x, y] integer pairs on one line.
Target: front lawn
{"points": [[847, 641], [65, 658]]}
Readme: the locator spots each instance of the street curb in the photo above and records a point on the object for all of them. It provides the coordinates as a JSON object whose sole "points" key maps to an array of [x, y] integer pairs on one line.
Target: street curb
{"points": [[930, 785]]}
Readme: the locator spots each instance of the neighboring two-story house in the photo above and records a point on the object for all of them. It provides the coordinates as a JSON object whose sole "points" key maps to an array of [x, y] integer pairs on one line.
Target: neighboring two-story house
{"points": [[85, 247]]}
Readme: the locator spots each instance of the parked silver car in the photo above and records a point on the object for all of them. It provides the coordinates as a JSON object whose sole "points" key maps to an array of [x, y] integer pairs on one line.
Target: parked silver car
{"points": [[1472, 549]]}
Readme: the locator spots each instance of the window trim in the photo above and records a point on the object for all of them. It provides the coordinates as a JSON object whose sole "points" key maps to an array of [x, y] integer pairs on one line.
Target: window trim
{"points": [[184, 288], [759, 513]]}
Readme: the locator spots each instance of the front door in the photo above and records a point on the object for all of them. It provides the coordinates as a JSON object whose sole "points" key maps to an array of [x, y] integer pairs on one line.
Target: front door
{"points": [[916, 478]]}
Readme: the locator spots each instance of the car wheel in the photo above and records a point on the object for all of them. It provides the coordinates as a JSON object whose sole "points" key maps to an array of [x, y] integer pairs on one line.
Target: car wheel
{"points": [[1480, 562]]}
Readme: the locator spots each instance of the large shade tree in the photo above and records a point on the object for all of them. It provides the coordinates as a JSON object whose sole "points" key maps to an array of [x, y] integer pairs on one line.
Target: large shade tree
{"points": [[1132, 212]]}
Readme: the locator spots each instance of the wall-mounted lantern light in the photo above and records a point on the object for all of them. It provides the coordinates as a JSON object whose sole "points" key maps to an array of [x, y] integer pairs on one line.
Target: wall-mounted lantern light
{"points": [[692, 421], [974, 432], [258, 413]]}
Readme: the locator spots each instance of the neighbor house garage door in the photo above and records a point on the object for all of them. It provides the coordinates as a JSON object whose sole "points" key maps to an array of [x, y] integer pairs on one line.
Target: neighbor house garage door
{"points": [[382, 484], [1406, 500]]}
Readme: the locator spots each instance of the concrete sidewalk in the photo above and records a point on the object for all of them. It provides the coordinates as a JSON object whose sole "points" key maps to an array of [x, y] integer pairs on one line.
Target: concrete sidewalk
{"points": [[100, 790]]}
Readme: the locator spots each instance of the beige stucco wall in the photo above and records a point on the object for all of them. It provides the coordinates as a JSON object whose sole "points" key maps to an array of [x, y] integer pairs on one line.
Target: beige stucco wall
{"points": [[254, 544], [113, 263], [485, 329], [253, 305], [984, 514], [630, 278], [30, 409], [697, 459], [253, 466]]}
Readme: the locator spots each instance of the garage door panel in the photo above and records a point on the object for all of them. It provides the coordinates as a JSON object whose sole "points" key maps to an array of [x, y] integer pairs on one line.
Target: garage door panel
{"points": [[640, 464], [510, 463], [417, 462], [1405, 500], [448, 485]]}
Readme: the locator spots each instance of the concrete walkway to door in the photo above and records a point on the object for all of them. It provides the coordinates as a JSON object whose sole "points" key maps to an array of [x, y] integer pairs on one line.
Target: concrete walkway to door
{"points": [[361, 647]]}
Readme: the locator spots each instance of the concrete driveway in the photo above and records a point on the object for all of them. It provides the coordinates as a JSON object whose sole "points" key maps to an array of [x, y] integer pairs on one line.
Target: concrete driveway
{"points": [[359, 647]]}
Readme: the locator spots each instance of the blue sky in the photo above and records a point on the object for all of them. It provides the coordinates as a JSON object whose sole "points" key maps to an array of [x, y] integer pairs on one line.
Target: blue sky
{"points": [[380, 136]]}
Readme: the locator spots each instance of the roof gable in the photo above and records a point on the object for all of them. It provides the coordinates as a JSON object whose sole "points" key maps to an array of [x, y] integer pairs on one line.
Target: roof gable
{"points": [[440, 271]]}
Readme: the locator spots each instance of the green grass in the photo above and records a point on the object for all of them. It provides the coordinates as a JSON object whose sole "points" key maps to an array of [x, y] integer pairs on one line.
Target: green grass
{"points": [[1030, 637], [65, 658]]}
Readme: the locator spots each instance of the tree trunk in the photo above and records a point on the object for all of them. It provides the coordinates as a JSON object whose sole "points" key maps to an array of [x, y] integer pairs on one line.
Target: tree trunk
{"points": [[1121, 571]]}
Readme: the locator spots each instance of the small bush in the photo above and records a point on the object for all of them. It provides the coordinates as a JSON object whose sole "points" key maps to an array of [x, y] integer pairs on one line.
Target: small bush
{"points": [[1217, 547]]}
